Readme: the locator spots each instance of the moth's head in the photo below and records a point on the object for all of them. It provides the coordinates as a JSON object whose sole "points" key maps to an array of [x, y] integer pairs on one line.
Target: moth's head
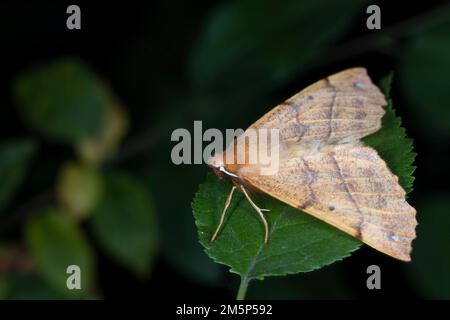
{"points": [[218, 165]]}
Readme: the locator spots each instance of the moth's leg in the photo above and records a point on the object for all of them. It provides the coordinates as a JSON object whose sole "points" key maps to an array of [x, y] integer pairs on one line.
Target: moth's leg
{"points": [[261, 215], [222, 217]]}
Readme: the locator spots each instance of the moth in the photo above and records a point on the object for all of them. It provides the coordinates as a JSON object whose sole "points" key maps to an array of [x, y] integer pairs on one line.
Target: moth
{"points": [[325, 169]]}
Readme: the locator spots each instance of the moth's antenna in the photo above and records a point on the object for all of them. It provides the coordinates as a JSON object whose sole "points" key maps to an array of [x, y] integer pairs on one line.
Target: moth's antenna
{"points": [[222, 217], [261, 215]]}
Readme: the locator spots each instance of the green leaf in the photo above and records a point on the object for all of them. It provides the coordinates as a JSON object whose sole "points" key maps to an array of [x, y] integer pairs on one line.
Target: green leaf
{"points": [[56, 242], [124, 223], [260, 43], [64, 101], [298, 241], [15, 157], [79, 188], [392, 144], [179, 243], [32, 287], [5, 279], [5, 286], [424, 70]]}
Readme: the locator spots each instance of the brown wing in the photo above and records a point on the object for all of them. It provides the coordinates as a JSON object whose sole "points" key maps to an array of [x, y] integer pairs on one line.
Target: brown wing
{"points": [[343, 107], [349, 187]]}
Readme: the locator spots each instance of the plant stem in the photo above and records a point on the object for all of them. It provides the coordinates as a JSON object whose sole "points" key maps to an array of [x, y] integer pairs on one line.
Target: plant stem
{"points": [[242, 289]]}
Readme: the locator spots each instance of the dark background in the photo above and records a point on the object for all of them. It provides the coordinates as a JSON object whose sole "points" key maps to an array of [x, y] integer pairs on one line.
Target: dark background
{"points": [[145, 52]]}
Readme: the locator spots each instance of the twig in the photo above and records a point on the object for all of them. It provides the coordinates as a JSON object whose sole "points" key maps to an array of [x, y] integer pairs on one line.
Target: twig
{"points": [[135, 146]]}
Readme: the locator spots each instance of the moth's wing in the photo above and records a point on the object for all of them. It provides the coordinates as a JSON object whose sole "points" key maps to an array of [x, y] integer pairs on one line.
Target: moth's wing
{"points": [[343, 107], [349, 187]]}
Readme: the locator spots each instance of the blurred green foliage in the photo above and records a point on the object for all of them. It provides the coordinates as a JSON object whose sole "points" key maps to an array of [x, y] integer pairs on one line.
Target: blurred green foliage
{"points": [[116, 193], [68, 103], [179, 241], [124, 222], [32, 287], [79, 188], [298, 242], [430, 270], [392, 144], [424, 67], [312, 285], [240, 47], [56, 242]]}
